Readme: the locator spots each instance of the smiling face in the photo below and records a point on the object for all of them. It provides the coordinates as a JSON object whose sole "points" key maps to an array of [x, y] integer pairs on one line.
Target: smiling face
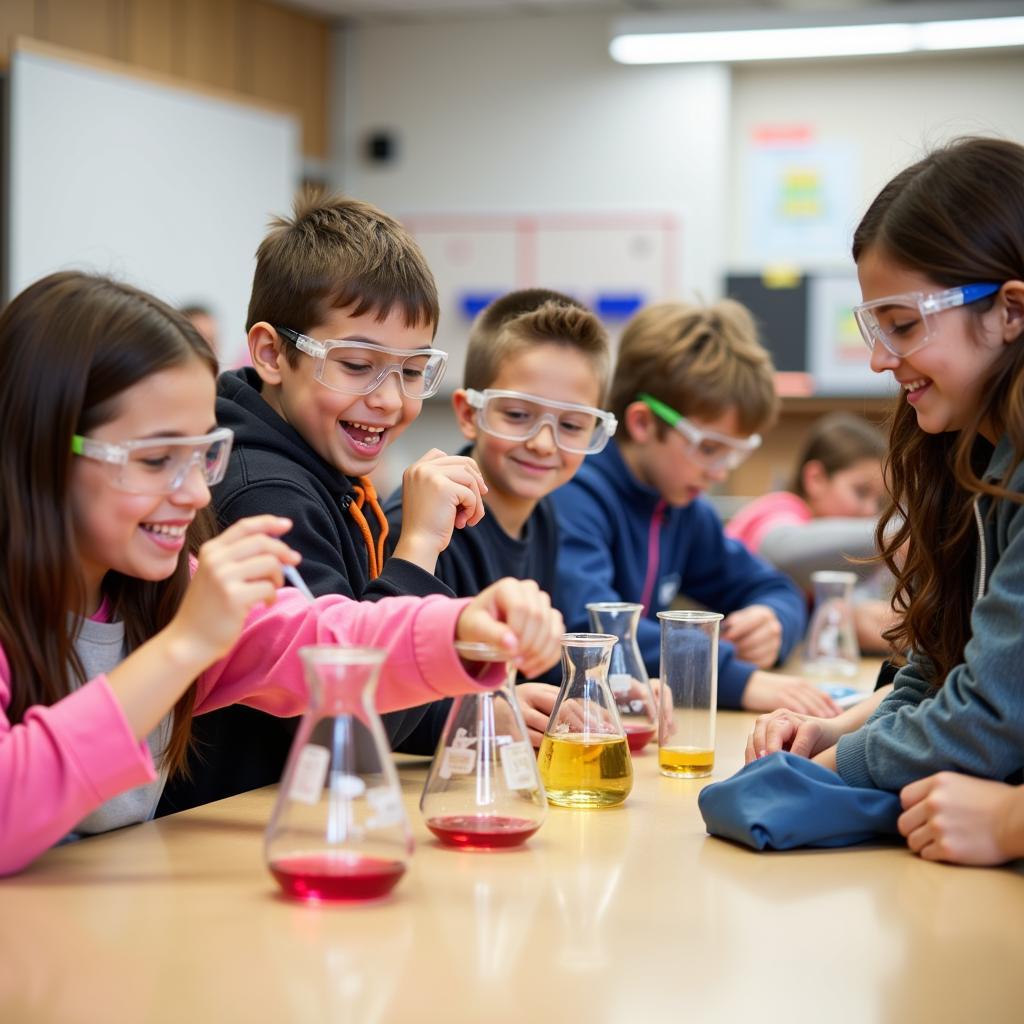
{"points": [[350, 432], [141, 535]]}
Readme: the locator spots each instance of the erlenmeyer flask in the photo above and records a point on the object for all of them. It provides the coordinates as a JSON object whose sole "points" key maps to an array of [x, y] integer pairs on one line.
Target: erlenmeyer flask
{"points": [[483, 790], [831, 649], [627, 675], [584, 757], [339, 831]]}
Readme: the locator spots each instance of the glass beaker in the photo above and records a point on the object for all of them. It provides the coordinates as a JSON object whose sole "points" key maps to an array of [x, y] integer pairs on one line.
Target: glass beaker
{"points": [[483, 790], [339, 830], [627, 675], [689, 693], [584, 757], [831, 648]]}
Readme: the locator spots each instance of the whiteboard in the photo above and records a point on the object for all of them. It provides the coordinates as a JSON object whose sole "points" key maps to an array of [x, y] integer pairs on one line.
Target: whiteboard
{"points": [[162, 186]]}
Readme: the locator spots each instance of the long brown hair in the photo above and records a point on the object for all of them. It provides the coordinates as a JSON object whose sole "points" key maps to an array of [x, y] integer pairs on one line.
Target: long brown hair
{"points": [[70, 344], [957, 216]]}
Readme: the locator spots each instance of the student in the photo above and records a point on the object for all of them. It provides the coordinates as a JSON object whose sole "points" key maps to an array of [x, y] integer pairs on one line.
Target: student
{"points": [[940, 257], [828, 517], [691, 388], [340, 325], [107, 647], [536, 374]]}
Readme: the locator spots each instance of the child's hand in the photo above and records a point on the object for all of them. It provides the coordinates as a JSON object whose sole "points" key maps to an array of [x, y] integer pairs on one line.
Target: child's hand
{"points": [[766, 691], [536, 701], [803, 735], [756, 633], [440, 493], [515, 615], [963, 820], [237, 570]]}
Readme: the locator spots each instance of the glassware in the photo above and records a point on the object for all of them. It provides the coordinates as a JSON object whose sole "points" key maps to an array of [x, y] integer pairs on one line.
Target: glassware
{"points": [[483, 790], [689, 693], [831, 648], [627, 675], [338, 830], [584, 757]]}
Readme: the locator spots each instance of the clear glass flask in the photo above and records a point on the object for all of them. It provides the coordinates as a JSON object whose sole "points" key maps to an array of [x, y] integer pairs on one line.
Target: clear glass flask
{"points": [[483, 790], [627, 676], [584, 757], [831, 649], [339, 830]]}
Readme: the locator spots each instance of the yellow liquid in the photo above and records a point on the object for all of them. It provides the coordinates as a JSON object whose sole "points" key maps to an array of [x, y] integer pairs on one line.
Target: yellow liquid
{"points": [[585, 773], [686, 762]]}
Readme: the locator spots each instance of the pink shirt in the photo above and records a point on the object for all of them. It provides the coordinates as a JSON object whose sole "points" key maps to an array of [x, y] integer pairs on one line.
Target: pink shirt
{"points": [[61, 762], [756, 520]]}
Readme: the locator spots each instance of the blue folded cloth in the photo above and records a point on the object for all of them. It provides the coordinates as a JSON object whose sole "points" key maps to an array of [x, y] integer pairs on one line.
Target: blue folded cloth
{"points": [[783, 801]]}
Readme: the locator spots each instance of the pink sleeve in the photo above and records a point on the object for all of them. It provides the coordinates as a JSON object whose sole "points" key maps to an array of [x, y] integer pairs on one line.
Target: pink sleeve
{"points": [[58, 764], [756, 520], [264, 670]]}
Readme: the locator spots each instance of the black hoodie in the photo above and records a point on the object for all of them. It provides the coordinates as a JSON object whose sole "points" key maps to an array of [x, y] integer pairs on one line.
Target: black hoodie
{"points": [[273, 469]]}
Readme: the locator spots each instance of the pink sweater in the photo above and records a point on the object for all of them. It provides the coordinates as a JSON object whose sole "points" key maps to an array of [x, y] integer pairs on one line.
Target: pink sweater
{"points": [[61, 762], [757, 519]]}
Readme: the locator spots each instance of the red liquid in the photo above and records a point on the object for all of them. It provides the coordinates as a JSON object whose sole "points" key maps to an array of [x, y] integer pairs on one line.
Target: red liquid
{"points": [[638, 736], [322, 876], [482, 831]]}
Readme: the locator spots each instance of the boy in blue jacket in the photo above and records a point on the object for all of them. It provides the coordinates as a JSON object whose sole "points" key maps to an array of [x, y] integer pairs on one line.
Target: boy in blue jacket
{"points": [[691, 389]]}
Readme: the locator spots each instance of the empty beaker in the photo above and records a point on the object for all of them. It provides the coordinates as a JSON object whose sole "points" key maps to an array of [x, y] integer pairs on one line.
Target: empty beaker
{"points": [[483, 790], [831, 649], [584, 757], [339, 830], [627, 675], [689, 693]]}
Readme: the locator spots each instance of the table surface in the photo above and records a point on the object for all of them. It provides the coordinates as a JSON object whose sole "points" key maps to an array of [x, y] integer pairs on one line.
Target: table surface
{"points": [[627, 914]]}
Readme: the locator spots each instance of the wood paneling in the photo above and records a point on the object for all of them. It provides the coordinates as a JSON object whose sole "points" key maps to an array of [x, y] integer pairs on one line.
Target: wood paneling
{"points": [[149, 31], [209, 50], [93, 26], [17, 18]]}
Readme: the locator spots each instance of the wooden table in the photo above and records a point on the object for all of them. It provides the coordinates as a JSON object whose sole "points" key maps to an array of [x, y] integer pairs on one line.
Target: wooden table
{"points": [[630, 914]]}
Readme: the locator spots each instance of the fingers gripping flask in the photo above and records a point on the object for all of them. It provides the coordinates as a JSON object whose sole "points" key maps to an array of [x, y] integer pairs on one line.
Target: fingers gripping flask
{"points": [[338, 830], [483, 790], [584, 757], [627, 675]]}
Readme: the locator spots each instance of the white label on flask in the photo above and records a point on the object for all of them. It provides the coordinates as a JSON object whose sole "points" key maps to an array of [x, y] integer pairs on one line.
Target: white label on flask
{"points": [[386, 805], [458, 761], [621, 683], [350, 786], [310, 773], [519, 765]]}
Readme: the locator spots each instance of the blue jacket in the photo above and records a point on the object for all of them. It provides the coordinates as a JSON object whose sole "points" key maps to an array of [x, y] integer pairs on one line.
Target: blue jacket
{"points": [[620, 541], [974, 722]]}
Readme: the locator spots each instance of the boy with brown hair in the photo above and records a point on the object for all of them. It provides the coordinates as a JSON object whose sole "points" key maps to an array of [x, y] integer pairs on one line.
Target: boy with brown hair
{"points": [[692, 389], [341, 324]]}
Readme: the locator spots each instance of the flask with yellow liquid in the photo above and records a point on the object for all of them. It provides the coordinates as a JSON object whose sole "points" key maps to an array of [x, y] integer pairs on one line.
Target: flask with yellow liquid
{"points": [[584, 757]]}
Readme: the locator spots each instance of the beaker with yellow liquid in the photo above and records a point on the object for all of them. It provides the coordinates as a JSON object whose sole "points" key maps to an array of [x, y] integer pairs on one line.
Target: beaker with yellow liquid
{"points": [[584, 757]]}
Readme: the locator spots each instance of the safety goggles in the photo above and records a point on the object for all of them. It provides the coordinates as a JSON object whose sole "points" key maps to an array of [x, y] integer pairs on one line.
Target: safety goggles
{"points": [[514, 416], [708, 447], [903, 323], [357, 368], [159, 465]]}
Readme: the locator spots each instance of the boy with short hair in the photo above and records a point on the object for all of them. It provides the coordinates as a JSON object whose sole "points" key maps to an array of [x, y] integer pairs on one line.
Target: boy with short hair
{"points": [[341, 324], [530, 409], [692, 389]]}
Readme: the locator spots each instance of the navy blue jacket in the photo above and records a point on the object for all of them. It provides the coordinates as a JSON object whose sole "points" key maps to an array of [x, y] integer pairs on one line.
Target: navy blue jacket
{"points": [[612, 526]]}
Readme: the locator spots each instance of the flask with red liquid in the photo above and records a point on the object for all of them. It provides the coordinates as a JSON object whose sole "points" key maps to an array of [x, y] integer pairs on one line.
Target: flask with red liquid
{"points": [[483, 791], [627, 676], [339, 830]]}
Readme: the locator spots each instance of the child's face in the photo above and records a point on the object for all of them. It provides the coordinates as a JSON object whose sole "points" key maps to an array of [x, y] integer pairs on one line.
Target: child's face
{"points": [[858, 490], [943, 380], [335, 424], [529, 469], [142, 535]]}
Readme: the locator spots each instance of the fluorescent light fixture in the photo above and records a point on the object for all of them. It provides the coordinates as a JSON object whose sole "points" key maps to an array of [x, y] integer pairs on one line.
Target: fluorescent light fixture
{"points": [[708, 45]]}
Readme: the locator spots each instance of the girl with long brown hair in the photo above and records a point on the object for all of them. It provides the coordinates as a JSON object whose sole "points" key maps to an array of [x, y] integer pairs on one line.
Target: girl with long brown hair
{"points": [[119, 618], [940, 258]]}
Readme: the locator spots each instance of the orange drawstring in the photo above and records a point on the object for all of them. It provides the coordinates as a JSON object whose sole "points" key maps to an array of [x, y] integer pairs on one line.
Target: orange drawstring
{"points": [[366, 494]]}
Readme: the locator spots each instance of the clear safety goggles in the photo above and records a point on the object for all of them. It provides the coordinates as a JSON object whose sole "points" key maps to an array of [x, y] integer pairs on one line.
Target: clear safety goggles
{"points": [[903, 323], [159, 465], [708, 447], [357, 368], [514, 416]]}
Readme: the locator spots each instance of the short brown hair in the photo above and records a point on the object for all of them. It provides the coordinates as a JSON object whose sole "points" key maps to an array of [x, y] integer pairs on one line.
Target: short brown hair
{"points": [[335, 252], [534, 316], [700, 360]]}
